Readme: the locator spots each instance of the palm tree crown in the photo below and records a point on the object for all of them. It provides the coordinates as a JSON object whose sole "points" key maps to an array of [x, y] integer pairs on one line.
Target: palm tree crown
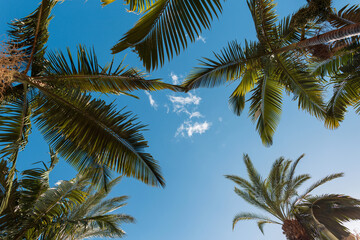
{"points": [[71, 209], [51, 89], [278, 195]]}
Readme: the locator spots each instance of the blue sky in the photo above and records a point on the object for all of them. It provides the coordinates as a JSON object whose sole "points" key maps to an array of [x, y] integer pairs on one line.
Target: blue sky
{"points": [[195, 136]]}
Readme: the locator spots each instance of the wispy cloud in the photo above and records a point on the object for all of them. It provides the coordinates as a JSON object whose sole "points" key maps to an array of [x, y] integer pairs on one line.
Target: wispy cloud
{"points": [[181, 104], [195, 115], [220, 119], [201, 38], [190, 99], [174, 78], [151, 100], [188, 128]]}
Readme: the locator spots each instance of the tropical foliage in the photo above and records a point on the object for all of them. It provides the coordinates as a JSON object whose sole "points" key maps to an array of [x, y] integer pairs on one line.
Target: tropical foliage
{"points": [[165, 28], [302, 216], [278, 62], [72, 209], [53, 90]]}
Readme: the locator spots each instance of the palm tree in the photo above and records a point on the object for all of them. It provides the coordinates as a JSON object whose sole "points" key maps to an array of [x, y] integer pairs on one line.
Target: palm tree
{"points": [[277, 62], [164, 29], [302, 216], [277, 58], [72, 209], [53, 91]]}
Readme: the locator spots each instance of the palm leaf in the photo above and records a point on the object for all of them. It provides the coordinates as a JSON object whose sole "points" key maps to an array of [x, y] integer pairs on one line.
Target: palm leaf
{"points": [[86, 131], [345, 16], [86, 74], [162, 32], [304, 86], [266, 102], [139, 5], [318, 184], [264, 18], [230, 65], [251, 216], [31, 34], [15, 127]]}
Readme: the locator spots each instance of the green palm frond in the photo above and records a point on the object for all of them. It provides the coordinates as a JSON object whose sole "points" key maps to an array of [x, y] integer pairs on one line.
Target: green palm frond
{"points": [[31, 34], [237, 98], [139, 6], [277, 194], [229, 65], [318, 184], [89, 132], [251, 216], [86, 74], [162, 32], [346, 93], [265, 107], [264, 17], [305, 87], [15, 127], [49, 205]]}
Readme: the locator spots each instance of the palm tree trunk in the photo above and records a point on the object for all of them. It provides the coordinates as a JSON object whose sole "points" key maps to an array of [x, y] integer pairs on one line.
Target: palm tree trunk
{"points": [[335, 35], [293, 230]]}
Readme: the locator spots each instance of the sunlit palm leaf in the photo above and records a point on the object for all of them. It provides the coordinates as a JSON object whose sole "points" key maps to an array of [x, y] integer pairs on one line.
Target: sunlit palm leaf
{"points": [[265, 106], [162, 32], [304, 86], [83, 130], [139, 5], [229, 65]]}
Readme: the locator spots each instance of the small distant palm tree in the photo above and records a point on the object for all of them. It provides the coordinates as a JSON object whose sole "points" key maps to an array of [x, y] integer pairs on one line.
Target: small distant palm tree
{"points": [[302, 216], [72, 209]]}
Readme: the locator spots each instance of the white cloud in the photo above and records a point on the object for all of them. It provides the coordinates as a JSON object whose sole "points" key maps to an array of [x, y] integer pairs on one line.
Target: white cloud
{"points": [[152, 101], [201, 38], [180, 104], [220, 119], [195, 115], [174, 78], [190, 99], [188, 128]]}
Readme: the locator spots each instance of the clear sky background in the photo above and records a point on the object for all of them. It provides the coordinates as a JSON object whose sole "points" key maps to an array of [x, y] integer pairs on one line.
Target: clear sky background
{"points": [[195, 136]]}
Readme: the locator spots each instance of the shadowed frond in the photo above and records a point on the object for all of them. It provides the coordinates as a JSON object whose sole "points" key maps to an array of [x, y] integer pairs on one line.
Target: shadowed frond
{"points": [[88, 131], [349, 14], [31, 34], [264, 17], [162, 32], [328, 213], [85, 73]]}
